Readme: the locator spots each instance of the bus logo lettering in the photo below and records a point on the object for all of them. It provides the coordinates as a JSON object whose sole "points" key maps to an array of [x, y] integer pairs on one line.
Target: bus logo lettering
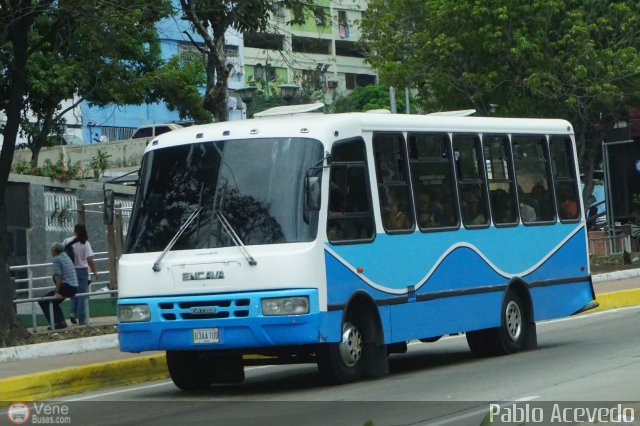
{"points": [[203, 275], [196, 311]]}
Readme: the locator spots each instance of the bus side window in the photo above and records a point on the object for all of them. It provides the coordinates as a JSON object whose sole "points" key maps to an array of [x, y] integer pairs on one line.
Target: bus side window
{"points": [[393, 181], [471, 180], [564, 175], [533, 176], [499, 167], [432, 174], [350, 217]]}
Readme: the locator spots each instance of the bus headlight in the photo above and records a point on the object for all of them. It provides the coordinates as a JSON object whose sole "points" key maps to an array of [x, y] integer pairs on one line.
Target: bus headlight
{"points": [[133, 313], [286, 306]]}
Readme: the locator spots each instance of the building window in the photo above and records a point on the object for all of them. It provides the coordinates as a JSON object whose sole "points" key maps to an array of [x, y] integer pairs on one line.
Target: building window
{"points": [[189, 47], [310, 45], [356, 80], [264, 41], [350, 48], [343, 24]]}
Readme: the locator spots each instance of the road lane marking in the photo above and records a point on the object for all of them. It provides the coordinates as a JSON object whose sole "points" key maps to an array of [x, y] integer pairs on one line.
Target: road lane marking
{"points": [[143, 387]]}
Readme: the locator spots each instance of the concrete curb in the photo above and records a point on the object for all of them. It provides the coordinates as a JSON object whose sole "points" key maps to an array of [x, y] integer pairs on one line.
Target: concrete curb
{"points": [[54, 383], [72, 380], [63, 347], [617, 275]]}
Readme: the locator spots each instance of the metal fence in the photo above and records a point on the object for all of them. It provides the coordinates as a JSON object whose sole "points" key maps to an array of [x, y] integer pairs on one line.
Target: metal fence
{"points": [[37, 285]]}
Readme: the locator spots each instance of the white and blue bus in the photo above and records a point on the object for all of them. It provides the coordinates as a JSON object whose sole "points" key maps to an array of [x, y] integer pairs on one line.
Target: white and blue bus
{"points": [[337, 238]]}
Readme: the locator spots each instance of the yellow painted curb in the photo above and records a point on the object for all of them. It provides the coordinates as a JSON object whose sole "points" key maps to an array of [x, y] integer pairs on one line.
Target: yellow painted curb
{"points": [[65, 381], [618, 299]]}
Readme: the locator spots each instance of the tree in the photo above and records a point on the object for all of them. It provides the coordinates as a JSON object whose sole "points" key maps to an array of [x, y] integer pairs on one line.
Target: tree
{"points": [[52, 50], [574, 59], [95, 53], [211, 19], [177, 81], [366, 98]]}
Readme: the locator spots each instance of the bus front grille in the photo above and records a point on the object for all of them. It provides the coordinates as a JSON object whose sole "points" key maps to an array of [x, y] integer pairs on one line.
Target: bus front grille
{"points": [[204, 309]]}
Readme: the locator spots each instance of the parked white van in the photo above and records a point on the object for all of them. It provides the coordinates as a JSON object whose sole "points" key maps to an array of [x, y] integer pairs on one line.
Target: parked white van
{"points": [[152, 130]]}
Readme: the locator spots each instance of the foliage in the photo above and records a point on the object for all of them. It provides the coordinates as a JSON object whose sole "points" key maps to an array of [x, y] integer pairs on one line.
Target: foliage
{"points": [[57, 171], [87, 50], [210, 19], [177, 81], [100, 163], [573, 59], [635, 200], [261, 102], [367, 98], [23, 168]]}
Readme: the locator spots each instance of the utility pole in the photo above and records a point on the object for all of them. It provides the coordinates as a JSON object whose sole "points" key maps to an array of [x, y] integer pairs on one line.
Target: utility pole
{"points": [[392, 99]]}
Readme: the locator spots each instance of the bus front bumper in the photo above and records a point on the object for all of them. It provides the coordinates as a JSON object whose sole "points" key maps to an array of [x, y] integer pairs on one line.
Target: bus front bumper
{"points": [[219, 322]]}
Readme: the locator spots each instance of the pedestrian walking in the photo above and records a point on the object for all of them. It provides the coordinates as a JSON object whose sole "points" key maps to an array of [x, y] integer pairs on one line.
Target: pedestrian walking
{"points": [[82, 260], [66, 282]]}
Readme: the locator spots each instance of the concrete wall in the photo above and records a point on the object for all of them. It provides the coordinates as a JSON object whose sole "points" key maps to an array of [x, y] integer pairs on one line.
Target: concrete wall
{"points": [[124, 154], [47, 228]]}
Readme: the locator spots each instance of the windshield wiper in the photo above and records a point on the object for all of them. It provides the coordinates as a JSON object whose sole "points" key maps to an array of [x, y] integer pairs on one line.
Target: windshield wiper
{"points": [[234, 237], [185, 225]]}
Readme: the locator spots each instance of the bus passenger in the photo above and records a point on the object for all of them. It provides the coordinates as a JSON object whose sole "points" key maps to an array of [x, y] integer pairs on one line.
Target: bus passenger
{"points": [[429, 211], [528, 206], [568, 205], [474, 215], [500, 205], [396, 217]]}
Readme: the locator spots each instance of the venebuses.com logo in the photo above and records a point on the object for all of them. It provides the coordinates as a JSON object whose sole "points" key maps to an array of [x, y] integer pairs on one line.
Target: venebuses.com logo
{"points": [[18, 413]]}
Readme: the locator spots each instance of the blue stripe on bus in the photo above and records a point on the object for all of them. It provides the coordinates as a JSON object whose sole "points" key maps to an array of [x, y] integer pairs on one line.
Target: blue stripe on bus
{"points": [[397, 262]]}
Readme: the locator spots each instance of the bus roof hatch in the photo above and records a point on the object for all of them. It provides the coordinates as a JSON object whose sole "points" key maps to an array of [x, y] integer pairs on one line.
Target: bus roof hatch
{"points": [[289, 110]]}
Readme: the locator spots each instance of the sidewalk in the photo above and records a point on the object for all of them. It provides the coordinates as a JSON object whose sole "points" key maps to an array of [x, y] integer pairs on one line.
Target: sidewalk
{"points": [[48, 370]]}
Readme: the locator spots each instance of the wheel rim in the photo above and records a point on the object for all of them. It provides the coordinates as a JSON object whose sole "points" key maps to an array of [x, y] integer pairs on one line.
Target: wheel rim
{"points": [[351, 345], [513, 320]]}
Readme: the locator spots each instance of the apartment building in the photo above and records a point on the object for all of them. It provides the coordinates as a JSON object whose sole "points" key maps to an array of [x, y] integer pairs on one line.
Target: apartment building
{"points": [[323, 51]]}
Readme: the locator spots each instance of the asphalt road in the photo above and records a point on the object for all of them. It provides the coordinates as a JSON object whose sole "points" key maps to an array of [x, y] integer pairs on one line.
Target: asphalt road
{"points": [[592, 358]]}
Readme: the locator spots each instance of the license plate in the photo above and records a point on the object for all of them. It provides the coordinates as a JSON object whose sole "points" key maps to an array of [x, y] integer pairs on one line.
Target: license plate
{"points": [[206, 335]]}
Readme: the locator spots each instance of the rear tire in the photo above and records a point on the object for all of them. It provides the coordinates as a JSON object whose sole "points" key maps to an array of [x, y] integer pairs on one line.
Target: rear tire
{"points": [[510, 337], [342, 362], [514, 325]]}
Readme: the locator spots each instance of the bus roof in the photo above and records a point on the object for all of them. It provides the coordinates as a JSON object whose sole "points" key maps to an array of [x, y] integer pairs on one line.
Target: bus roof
{"points": [[333, 127]]}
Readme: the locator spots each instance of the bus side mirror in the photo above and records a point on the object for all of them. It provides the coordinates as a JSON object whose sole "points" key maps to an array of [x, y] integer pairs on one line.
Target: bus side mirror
{"points": [[311, 197], [107, 214], [312, 193]]}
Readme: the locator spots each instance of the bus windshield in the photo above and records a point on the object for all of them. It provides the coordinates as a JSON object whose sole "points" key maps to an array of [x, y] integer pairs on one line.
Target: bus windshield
{"points": [[256, 183]]}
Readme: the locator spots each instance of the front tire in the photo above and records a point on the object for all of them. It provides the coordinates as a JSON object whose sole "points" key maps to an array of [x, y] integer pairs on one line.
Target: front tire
{"points": [[189, 370], [342, 362], [195, 370]]}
